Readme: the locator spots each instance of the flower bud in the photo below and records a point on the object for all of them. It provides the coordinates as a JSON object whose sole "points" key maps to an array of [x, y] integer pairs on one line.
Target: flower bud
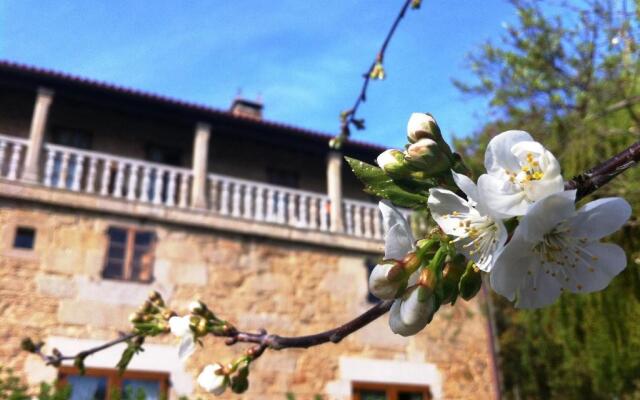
{"points": [[470, 282], [384, 281], [411, 313], [135, 317], [422, 126], [196, 306], [212, 379], [427, 155], [411, 262], [390, 160], [201, 327], [377, 72]]}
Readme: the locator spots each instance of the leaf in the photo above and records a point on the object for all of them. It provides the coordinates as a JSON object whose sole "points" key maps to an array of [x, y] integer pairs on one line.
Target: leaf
{"points": [[133, 347], [379, 184]]}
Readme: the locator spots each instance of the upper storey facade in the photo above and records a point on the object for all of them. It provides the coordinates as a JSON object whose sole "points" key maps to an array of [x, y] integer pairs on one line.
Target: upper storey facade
{"points": [[81, 143]]}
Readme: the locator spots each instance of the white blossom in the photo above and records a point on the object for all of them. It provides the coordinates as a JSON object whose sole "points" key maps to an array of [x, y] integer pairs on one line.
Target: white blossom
{"points": [[409, 315], [398, 242], [211, 381], [180, 327], [520, 172], [557, 248], [479, 235]]}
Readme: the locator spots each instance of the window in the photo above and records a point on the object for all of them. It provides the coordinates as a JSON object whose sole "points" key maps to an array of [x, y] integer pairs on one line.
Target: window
{"points": [[370, 264], [108, 384], [130, 255], [25, 238], [283, 177], [376, 391]]}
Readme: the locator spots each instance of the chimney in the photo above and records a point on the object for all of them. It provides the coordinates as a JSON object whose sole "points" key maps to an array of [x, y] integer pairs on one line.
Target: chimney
{"points": [[247, 108]]}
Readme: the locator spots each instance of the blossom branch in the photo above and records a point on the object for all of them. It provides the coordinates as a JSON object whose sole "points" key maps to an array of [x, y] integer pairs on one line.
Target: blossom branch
{"points": [[335, 335], [348, 116], [598, 176], [56, 357]]}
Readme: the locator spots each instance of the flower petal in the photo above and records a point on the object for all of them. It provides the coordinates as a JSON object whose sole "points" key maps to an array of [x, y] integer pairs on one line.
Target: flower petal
{"points": [[499, 156], [466, 185], [503, 199], [537, 190], [599, 264], [392, 216], [443, 204], [511, 266], [600, 218], [397, 242], [187, 347], [538, 289], [409, 316], [546, 214], [379, 285]]}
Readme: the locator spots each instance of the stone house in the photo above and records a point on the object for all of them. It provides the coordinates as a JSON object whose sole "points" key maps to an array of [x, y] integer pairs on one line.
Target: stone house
{"points": [[108, 192]]}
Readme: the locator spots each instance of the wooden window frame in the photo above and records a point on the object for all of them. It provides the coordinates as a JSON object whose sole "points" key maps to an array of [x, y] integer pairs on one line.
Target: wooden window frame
{"points": [[114, 379], [391, 389], [129, 251]]}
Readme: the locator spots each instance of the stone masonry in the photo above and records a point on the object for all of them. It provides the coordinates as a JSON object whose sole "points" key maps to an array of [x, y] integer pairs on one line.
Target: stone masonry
{"points": [[56, 290]]}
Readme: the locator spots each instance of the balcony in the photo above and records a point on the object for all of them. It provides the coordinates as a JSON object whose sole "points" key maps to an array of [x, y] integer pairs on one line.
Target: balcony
{"points": [[142, 188]]}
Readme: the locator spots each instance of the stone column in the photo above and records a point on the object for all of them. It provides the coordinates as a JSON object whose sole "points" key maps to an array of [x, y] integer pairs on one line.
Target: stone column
{"points": [[334, 189], [200, 163], [36, 134]]}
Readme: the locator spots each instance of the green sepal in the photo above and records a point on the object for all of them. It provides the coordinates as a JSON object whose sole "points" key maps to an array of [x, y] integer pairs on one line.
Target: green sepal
{"points": [[379, 184], [470, 282]]}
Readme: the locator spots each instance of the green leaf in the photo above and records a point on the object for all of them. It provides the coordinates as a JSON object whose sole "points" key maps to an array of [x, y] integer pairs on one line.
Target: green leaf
{"points": [[134, 346], [379, 184]]}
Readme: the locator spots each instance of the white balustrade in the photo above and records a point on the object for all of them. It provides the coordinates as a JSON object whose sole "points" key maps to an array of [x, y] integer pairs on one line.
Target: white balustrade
{"points": [[133, 180], [362, 219], [111, 176], [241, 198]]}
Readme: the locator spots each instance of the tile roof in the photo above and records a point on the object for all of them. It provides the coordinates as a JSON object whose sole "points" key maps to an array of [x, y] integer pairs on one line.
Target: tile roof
{"points": [[39, 72]]}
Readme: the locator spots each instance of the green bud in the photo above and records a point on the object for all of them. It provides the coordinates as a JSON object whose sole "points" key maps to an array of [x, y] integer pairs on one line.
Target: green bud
{"points": [[470, 282], [393, 163], [28, 345], [377, 72], [427, 155]]}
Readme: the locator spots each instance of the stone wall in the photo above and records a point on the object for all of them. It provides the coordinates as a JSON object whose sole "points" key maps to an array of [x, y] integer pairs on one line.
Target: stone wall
{"points": [[56, 291]]}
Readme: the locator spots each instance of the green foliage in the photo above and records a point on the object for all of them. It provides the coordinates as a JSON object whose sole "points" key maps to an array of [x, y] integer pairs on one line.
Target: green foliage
{"points": [[558, 75], [379, 184], [12, 388]]}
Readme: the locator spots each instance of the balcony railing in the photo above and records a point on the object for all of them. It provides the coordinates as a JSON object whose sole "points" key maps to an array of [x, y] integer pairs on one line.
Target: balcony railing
{"points": [[12, 153], [101, 174]]}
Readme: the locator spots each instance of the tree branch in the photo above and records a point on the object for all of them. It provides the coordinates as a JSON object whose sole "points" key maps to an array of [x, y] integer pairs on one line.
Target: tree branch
{"points": [[586, 183], [348, 117], [332, 335], [598, 176], [56, 357]]}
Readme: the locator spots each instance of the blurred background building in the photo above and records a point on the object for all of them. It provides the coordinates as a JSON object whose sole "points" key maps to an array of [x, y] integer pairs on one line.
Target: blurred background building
{"points": [[107, 193]]}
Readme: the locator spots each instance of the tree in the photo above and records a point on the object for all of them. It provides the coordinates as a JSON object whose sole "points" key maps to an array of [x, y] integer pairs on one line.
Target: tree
{"points": [[569, 75]]}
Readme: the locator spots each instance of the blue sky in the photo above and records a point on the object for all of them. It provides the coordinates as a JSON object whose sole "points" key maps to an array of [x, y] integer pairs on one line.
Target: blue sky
{"points": [[304, 58]]}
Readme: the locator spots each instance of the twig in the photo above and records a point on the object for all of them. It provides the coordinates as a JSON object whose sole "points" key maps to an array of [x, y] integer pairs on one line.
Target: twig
{"points": [[335, 335], [596, 177], [56, 357], [348, 117]]}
